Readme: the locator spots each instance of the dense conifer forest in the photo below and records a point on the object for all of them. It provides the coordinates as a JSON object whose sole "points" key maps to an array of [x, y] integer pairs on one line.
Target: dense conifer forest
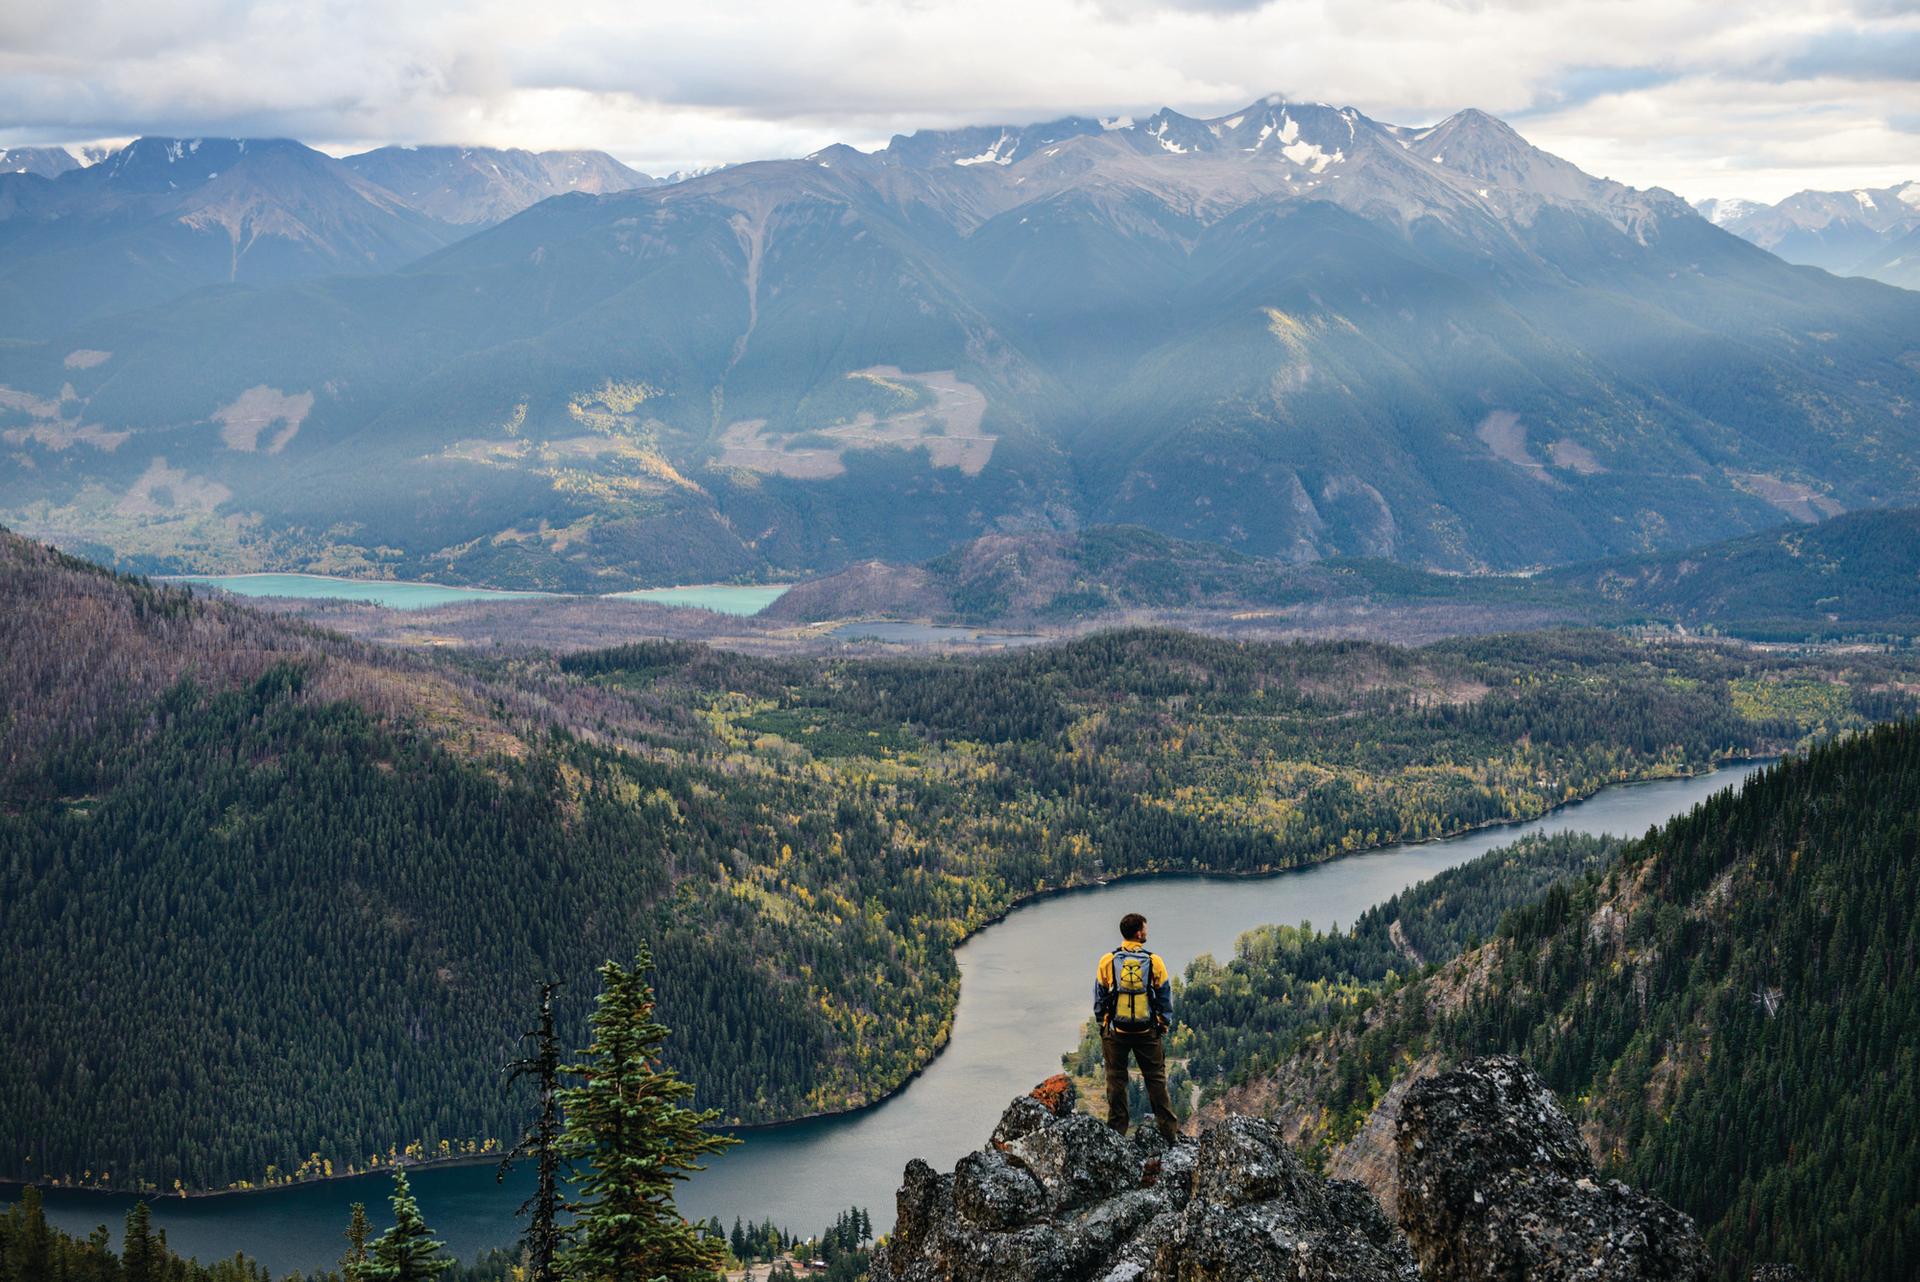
{"points": [[341, 873], [1237, 1015], [1730, 1007]]}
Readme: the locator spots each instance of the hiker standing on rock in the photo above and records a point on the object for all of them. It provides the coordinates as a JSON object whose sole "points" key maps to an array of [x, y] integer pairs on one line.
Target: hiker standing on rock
{"points": [[1133, 1002]]}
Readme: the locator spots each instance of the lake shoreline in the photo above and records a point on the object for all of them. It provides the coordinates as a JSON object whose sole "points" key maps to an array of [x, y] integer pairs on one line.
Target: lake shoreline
{"points": [[1034, 897], [301, 588]]}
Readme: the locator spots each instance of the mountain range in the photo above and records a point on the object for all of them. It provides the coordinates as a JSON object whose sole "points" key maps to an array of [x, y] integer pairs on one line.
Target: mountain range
{"points": [[161, 217], [1867, 232], [1293, 331]]}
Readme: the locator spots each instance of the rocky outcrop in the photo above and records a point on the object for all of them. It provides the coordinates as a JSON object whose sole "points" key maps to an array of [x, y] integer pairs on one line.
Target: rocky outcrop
{"points": [[1059, 1197], [1495, 1182]]}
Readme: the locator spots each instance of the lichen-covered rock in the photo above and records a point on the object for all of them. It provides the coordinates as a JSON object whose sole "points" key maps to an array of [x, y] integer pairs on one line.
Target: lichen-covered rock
{"points": [[1062, 1198], [1050, 1099], [1778, 1273], [1257, 1212], [1077, 1160], [1165, 1165], [1243, 1159], [1057, 1093], [1495, 1183], [1495, 1186], [994, 1193], [924, 1202], [1023, 1117]]}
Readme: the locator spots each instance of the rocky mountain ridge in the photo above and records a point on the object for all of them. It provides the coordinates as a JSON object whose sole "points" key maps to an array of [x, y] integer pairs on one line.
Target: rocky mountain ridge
{"points": [[475, 187], [160, 216], [1493, 1181]]}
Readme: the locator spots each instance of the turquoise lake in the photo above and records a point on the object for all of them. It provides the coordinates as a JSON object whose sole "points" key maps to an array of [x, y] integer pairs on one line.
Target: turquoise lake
{"points": [[394, 595]]}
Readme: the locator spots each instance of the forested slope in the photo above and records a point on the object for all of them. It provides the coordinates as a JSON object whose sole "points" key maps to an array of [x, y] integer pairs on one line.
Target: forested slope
{"points": [[1731, 1009], [280, 900], [1854, 575]]}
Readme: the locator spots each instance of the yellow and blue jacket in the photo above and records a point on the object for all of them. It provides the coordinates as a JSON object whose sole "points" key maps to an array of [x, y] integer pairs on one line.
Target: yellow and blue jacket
{"points": [[1131, 991]]}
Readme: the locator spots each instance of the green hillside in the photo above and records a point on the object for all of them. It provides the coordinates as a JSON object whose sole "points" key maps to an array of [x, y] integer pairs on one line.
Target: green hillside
{"points": [[1851, 575], [1728, 1007]]}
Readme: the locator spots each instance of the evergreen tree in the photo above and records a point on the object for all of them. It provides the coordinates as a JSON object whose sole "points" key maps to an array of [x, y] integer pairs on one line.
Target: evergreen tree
{"points": [[141, 1257], [544, 1236], [359, 1229], [627, 1122], [28, 1252], [407, 1252]]}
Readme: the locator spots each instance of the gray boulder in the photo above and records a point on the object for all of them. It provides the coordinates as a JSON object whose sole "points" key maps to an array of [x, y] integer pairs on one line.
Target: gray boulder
{"points": [[1059, 1197], [1077, 1160], [1495, 1186], [1496, 1183], [1256, 1213]]}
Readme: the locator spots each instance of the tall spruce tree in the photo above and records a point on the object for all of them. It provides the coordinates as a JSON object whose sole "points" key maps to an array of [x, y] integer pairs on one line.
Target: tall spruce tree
{"points": [[544, 1236], [359, 1229], [407, 1252], [141, 1258], [628, 1124], [26, 1249]]}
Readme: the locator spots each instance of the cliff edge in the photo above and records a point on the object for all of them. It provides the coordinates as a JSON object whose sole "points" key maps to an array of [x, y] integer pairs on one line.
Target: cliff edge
{"points": [[1493, 1183]]}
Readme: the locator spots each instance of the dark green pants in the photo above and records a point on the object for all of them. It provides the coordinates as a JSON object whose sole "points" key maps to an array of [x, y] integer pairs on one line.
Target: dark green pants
{"points": [[1152, 1058]]}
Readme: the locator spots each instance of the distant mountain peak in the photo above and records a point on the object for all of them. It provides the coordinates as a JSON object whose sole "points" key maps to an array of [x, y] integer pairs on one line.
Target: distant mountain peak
{"points": [[998, 145], [1862, 231], [48, 162], [469, 186]]}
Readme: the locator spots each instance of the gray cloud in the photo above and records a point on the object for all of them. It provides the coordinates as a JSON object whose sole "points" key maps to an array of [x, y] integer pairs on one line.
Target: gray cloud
{"points": [[1688, 94]]}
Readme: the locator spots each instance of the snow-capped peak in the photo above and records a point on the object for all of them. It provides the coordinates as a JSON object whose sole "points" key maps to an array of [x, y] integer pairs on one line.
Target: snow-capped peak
{"points": [[1723, 211]]}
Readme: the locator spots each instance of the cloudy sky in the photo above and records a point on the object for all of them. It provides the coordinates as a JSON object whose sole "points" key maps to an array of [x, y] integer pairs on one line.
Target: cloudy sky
{"points": [[1708, 97]]}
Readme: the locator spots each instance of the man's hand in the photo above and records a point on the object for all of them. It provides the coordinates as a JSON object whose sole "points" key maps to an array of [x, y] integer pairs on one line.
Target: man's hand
{"points": [[1159, 1027]]}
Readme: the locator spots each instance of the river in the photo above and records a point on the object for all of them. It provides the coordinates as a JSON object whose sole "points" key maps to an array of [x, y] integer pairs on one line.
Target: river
{"points": [[1025, 988]]}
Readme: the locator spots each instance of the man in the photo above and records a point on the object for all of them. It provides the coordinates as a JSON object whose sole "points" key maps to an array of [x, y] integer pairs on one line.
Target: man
{"points": [[1133, 1002]]}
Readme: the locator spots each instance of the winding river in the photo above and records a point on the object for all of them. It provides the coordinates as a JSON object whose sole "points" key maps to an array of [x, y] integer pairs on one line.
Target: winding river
{"points": [[1024, 993]]}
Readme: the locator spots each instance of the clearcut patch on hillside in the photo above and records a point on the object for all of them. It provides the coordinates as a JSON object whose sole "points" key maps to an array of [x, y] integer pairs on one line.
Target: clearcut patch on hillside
{"points": [[1504, 434], [1798, 500], [255, 410], [944, 420]]}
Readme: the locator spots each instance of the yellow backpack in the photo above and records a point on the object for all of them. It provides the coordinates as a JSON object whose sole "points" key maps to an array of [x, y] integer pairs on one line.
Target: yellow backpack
{"points": [[1132, 984]]}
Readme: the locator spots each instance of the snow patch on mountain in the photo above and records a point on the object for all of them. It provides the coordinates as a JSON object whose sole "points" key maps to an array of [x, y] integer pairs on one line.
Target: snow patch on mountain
{"points": [[1000, 153], [1159, 132], [1309, 156]]}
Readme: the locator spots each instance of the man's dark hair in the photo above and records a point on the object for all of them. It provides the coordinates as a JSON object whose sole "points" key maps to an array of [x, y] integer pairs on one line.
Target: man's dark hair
{"points": [[1131, 925]]}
